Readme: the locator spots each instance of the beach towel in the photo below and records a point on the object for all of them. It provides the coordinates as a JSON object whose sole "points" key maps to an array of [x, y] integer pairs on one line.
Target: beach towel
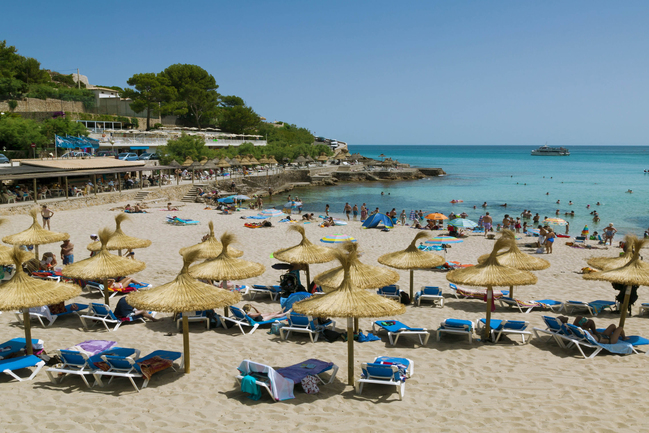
{"points": [[365, 338], [299, 371], [153, 365], [249, 386]]}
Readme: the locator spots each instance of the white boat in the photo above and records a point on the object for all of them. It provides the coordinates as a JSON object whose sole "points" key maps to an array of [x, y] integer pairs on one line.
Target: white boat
{"points": [[551, 151]]}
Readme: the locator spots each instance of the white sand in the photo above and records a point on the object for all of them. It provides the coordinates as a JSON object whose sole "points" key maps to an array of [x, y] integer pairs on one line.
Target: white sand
{"points": [[456, 386]]}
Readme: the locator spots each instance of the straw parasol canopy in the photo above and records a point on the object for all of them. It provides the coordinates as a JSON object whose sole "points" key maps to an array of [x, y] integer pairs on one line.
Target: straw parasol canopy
{"points": [[103, 265], [412, 258], [634, 273], [322, 158], [263, 160], [174, 163], [608, 263], [187, 162], [305, 253], [6, 253], [245, 161], [183, 294], [226, 267], [515, 258], [35, 235], [209, 248], [253, 160], [272, 161], [119, 240], [300, 160], [349, 302], [491, 273], [235, 162], [23, 292], [362, 276], [309, 159], [223, 163]]}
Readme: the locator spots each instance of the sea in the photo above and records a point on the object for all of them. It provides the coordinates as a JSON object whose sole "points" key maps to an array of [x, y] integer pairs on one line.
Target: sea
{"points": [[511, 175]]}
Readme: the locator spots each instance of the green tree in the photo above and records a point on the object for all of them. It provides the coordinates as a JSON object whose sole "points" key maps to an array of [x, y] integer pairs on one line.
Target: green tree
{"points": [[185, 146], [239, 119], [17, 133], [232, 101], [12, 88], [10, 60], [31, 73], [197, 98], [62, 127], [151, 90]]}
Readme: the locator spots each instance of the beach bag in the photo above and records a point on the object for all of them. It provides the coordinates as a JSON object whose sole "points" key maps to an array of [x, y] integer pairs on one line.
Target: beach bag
{"points": [[539, 250], [404, 298], [288, 284], [310, 385], [275, 327], [330, 335]]}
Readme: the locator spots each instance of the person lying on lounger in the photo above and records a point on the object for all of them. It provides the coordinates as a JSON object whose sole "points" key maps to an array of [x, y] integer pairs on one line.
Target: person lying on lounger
{"points": [[125, 310], [258, 316], [117, 285], [611, 335]]}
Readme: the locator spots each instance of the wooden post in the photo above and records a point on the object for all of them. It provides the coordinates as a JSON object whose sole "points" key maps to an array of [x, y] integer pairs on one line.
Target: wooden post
{"points": [[192, 176], [139, 174], [487, 329], [119, 183], [625, 306], [106, 296], [28, 332], [94, 177], [35, 192], [66, 187], [308, 279], [412, 279], [511, 292], [356, 327], [186, 341], [350, 351]]}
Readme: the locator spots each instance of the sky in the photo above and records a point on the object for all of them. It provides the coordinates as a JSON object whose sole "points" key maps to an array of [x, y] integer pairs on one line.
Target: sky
{"points": [[376, 72]]}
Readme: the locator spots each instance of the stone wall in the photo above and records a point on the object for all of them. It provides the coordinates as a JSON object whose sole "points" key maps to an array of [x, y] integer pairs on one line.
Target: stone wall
{"points": [[33, 105]]}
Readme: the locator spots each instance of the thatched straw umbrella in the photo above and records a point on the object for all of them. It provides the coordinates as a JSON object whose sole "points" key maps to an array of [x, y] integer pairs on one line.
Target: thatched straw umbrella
{"points": [[23, 292], [187, 162], [103, 265], [263, 160], [223, 164], [245, 161], [226, 267], [35, 235], [183, 295], [515, 258], [209, 248], [272, 161], [120, 241], [305, 253], [309, 159], [253, 160], [634, 273], [323, 158], [174, 163], [412, 258], [608, 263], [361, 276], [6, 253], [349, 302], [300, 160], [491, 273]]}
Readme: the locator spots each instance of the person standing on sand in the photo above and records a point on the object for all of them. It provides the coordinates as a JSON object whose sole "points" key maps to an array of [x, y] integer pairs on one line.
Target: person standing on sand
{"points": [[348, 210], [327, 210], [487, 221], [549, 241], [46, 213], [402, 217], [67, 252], [355, 211], [363, 212]]}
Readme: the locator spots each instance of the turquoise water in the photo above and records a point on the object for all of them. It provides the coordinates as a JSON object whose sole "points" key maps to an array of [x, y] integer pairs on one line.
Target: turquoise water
{"points": [[508, 174]]}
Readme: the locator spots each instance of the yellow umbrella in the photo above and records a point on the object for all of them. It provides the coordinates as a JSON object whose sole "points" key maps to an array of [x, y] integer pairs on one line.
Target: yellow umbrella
{"points": [[348, 302], [491, 273], [35, 235], [119, 240], [103, 265], [412, 258], [634, 273], [22, 292], [305, 253], [210, 247], [184, 294]]}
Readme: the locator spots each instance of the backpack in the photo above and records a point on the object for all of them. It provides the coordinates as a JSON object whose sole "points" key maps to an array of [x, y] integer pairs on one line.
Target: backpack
{"points": [[404, 298], [288, 284]]}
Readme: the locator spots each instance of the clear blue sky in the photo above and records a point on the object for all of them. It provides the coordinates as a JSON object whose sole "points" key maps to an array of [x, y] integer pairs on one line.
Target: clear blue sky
{"points": [[376, 72]]}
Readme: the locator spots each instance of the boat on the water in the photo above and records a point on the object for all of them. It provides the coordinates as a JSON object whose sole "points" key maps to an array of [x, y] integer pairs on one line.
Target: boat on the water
{"points": [[551, 151]]}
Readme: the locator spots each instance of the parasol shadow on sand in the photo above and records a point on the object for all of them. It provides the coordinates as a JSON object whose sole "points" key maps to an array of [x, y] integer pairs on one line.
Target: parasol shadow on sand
{"points": [[361, 276], [350, 302], [412, 258], [103, 265], [119, 240], [305, 253], [491, 273], [23, 292], [515, 258], [634, 273], [183, 295], [35, 235], [210, 247], [608, 263]]}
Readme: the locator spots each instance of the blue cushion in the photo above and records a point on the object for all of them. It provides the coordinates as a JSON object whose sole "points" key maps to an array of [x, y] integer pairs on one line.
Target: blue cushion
{"points": [[457, 323]]}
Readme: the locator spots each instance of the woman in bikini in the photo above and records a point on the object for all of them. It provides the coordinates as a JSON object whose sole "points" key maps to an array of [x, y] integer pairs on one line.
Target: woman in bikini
{"points": [[258, 316], [611, 335]]}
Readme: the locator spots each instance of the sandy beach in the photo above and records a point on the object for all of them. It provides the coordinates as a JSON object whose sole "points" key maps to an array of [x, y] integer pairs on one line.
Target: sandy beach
{"points": [[457, 386]]}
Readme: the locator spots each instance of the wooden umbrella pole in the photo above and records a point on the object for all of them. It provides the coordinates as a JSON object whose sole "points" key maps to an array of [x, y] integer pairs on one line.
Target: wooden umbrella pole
{"points": [[308, 279], [106, 297], [36, 252], [350, 351], [35, 192], [511, 292], [412, 279], [355, 324], [186, 341], [28, 332], [625, 306], [487, 329]]}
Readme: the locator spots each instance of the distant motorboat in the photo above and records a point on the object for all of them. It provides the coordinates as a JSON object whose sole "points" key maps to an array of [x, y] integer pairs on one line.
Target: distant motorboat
{"points": [[551, 151]]}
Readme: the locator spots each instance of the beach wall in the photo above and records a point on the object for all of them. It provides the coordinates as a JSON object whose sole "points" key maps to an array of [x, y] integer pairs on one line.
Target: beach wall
{"points": [[29, 106]]}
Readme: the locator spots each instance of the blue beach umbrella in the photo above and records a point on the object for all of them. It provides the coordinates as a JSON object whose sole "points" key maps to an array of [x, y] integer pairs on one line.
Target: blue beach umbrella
{"points": [[225, 200], [271, 213], [463, 223], [376, 219], [240, 197]]}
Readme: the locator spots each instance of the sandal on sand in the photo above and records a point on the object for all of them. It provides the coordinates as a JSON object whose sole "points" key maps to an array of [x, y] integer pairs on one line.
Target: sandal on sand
{"points": [[169, 334]]}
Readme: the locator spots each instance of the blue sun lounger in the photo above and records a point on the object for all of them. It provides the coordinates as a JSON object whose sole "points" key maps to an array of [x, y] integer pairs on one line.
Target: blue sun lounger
{"points": [[583, 338], [241, 319], [456, 326], [80, 364], [395, 329], [15, 345], [501, 327], [8, 366], [430, 293], [594, 308], [51, 318], [304, 324], [124, 366], [385, 371], [557, 331], [391, 291]]}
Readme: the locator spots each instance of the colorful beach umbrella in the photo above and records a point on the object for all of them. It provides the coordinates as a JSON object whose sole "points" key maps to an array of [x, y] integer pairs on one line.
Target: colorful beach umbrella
{"points": [[436, 216], [271, 213], [444, 240], [337, 239], [555, 221], [463, 223], [240, 197]]}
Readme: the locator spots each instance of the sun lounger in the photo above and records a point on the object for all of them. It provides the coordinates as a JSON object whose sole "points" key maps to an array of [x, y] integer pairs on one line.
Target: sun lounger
{"points": [[430, 293], [257, 289], [382, 374], [395, 329], [196, 316], [505, 327], [557, 331], [13, 346], [8, 366], [391, 291], [456, 326], [43, 313], [81, 364], [463, 292], [304, 324], [241, 319], [310, 367], [181, 222], [527, 306], [644, 308], [124, 366], [583, 339], [102, 313], [593, 308], [279, 387]]}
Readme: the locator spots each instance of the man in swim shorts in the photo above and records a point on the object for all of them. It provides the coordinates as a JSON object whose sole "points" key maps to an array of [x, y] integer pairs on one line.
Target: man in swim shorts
{"points": [[609, 232], [348, 210], [487, 222], [46, 213]]}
